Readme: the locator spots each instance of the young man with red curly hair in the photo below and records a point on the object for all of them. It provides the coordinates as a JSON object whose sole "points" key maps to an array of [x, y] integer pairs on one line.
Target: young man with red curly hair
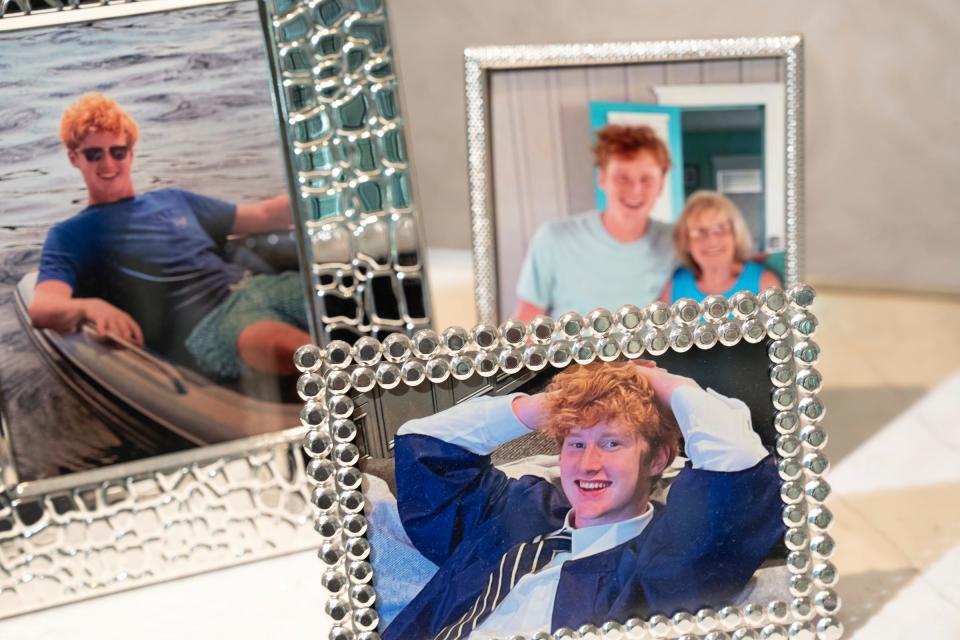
{"points": [[521, 557], [605, 258], [149, 267]]}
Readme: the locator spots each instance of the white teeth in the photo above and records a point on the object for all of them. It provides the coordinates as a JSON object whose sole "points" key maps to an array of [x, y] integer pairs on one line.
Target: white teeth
{"points": [[593, 485]]}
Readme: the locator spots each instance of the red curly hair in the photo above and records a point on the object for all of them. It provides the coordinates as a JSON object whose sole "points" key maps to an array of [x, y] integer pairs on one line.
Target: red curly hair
{"points": [[583, 396], [626, 141], [95, 112]]}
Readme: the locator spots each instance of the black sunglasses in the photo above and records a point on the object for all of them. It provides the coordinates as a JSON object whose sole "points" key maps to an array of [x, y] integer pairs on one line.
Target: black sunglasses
{"points": [[95, 154]]}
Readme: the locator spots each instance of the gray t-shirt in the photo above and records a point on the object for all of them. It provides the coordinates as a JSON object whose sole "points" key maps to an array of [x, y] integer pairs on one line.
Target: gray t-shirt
{"points": [[573, 264]]}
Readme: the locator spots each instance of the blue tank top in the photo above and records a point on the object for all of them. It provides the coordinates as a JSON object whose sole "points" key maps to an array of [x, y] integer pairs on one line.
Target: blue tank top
{"points": [[684, 283]]}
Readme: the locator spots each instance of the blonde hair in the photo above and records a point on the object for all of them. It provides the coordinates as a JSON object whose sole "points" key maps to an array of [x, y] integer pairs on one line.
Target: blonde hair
{"points": [[697, 204], [582, 396], [626, 142], [95, 112]]}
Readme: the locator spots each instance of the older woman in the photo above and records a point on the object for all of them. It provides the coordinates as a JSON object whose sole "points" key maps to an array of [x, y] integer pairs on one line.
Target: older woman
{"points": [[713, 245]]}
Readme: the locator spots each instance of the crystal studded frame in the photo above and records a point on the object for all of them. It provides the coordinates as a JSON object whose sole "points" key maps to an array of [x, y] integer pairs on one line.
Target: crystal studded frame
{"points": [[480, 61], [336, 91], [134, 524], [779, 319]]}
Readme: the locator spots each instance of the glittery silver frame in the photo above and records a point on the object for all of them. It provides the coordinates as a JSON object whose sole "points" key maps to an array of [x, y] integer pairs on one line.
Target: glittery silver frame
{"points": [[779, 319], [481, 60], [129, 525]]}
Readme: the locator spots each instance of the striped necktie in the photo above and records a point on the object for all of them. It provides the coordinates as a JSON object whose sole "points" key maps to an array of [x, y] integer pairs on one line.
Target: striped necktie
{"points": [[520, 560]]}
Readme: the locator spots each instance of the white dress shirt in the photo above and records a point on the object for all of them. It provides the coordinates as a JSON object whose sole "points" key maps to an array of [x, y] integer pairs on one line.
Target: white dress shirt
{"points": [[718, 436]]}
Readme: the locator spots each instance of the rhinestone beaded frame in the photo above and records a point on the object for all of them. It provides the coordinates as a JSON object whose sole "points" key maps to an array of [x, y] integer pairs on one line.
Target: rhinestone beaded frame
{"points": [[480, 60], [782, 319]]}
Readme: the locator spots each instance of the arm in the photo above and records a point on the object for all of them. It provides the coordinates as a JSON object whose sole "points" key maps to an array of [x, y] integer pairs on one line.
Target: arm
{"points": [[527, 311], [665, 292], [536, 280], [272, 214], [769, 279], [717, 430], [447, 489], [54, 307], [722, 515]]}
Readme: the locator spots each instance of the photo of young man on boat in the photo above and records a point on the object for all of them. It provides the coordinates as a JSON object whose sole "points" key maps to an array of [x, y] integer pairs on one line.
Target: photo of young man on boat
{"points": [[148, 267], [523, 556], [140, 225]]}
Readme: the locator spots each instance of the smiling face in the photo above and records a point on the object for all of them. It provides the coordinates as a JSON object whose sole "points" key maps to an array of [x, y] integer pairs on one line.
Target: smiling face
{"points": [[108, 177], [712, 242], [606, 472], [632, 185]]}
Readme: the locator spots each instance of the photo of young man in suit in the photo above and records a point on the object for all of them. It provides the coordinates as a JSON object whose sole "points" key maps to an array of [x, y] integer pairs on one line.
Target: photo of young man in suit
{"points": [[522, 556]]}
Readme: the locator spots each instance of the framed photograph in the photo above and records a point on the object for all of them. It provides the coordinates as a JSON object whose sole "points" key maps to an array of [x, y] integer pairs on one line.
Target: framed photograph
{"points": [[722, 117], [647, 472], [150, 254]]}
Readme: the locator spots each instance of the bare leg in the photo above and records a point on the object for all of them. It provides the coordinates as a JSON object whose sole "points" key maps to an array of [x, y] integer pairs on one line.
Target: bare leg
{"points": [[268, 346]]}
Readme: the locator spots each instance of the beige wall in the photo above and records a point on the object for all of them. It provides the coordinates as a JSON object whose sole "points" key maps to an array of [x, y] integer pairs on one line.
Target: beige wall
{"points": [[882, 100]]}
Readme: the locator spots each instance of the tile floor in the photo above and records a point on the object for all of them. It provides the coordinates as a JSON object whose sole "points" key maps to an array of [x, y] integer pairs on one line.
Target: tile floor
{"points": [[891, 368], [891, 365]]}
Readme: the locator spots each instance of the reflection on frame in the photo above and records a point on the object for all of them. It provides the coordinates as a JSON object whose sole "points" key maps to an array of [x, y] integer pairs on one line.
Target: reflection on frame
{"points": [[151, 272], [477, 529]]}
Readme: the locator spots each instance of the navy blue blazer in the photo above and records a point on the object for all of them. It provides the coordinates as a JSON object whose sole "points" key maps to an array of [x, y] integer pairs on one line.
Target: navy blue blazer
{"points": [[462, 514]]}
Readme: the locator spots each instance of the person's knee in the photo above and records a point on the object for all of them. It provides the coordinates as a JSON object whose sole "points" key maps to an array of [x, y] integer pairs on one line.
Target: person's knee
{"points": [[268, 346]]}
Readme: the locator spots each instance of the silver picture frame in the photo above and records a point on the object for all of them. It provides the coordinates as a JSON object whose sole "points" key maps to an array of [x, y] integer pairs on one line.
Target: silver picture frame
{"points": [[481, 62], [342, 380], [127, 525], [341, 119]]}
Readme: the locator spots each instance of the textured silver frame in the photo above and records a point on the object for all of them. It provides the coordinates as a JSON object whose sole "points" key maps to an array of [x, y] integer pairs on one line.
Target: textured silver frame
{"points": [[480, 61], [313, 88], [133, 524], [780, 319]]}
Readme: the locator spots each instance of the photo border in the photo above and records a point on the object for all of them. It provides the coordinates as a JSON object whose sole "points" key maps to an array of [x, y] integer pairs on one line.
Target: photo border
{"points": [[479, 61], [780, 318]]}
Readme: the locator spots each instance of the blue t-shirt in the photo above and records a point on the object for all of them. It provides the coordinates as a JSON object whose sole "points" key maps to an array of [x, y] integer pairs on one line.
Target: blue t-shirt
{"points": [[573, 264], [157, 256], [684, 283]]}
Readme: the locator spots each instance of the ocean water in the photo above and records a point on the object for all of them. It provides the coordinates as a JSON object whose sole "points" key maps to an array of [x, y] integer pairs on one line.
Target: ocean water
{"points": [[196, 81]]}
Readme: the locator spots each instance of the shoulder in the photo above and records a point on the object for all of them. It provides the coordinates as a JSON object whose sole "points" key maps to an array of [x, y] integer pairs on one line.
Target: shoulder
{"points": [[767, 277], [682, 271], [568, 231], [757, 270], [570, 225], [166, 194], [161, 197], [661, 233], [683, 274], [661, 228], [76, 224]]}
